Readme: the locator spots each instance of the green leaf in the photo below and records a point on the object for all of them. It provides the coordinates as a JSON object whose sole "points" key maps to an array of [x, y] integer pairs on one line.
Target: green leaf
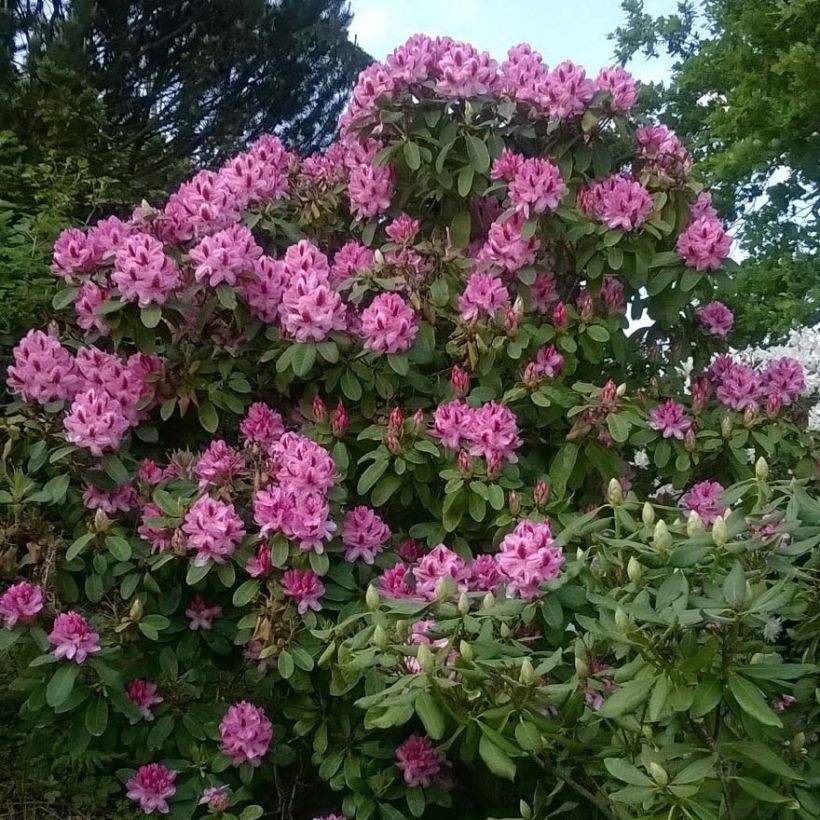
{"points": [[465, 180], [618, 427], [285, 664], [63, 298], [627, 772], [303, 358], [598, 333], [96, 716], [760, 791], [226, 296], [371, 475], [430, 715], [751, 700], [208, 417], [246, 592], [707, 695], [116, 469], [627, 698], [195, 574], [761, 755], [151, 316], [399, 363], [351, 386], [734, 586], [478, 154], [562, 467], [384, 489], [498, 762], [412, 156], [119, 547], [62, 683], [460, 229], [694, 772]]}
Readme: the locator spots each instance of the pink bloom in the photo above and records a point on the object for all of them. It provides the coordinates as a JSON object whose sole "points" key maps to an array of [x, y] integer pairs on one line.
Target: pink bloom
{"points": [[567, 90], [150, 473], [119, 380], [459, 381], [216, 798], [261, 425], [310, 309], [305, 258], [21, 603], [157, 536], [507, 166], [89, 297], [719, 368], [213, 528], [716, 319], [370, 190], [704, 499], [43, 370], [663, 153], [506, 248], [450, 423], [465, 72], [783, 379], [394, 582], [303, 464], [256, 176], [73, 638], [349, 260], [523, 74], [439, 563], [493, 433], [703, 207], [669, 418], [625, 204], [143, 273], [389, 324], [96, 422], [107, 237], [412, 62], [484, 294], [222, 258], [263, 286], [373, 84], [548, 362], [245, 733], [201, 615], [307, 520], [143, 693], [537, 187], [418, 761], [364, 535], [544, 292], [122, 499], [219, 465], [612, 295], [621, 87], [305, 587], [260, 566], [72, 254], [739, 388], [528, 557], [403, 229], [704, 244], [485, 575], [151, 787], [201, 206]]}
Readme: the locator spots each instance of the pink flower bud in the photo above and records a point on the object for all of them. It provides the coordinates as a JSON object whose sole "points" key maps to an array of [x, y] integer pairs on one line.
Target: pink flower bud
{"points": [[586, 308], [532, 375], [395, 420], [319, 410], [460, 381], [773, 405], [493, 465], [418, 421], [464, 462], [511, 319], [340, 421], [541, 493], [393, 443], [700, 392], [750, 415], [513, 502], [560, 317], [690, 441]]}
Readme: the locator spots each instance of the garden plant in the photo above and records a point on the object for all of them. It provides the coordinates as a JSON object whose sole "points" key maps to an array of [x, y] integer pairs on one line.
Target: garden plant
{"points": [[343, 486]]}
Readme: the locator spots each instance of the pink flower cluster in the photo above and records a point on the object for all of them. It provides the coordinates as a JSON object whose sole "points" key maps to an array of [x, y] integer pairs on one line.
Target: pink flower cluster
{"points": [[528, 557], [489, 431], [21, 603], [213, 529], [704, 244], [389, 324], [143, 272], [262, 426], [245, 733], [304, 587], [704, 499], [43, 370], [716, 319], [484, 294], [219, 465], [351, 258], [144, 695], [73, 638], [618, 201], [662, 154], [536, 187], [364, 535], [151, 787], [669, 418], [505, 247], [418, 761], [222, 258], [200, 615], [742, 388]]}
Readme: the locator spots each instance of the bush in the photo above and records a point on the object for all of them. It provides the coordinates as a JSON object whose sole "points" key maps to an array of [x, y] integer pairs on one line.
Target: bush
{"points": [[231, 475]]}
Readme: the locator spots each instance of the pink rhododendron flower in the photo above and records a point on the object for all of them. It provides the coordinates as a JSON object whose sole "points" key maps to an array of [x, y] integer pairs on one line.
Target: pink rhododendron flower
{"points": [[261, 425], [150, 473], [548, 362], [413, 62], [739, 387], [151, 787], [96, 422], [485, 576], [216, 798], [528, 557], [263, 287], [90, 296], [302, 515], [122, 499], [222, 258], [370, 190], [506, 248], [73, 254], [394, 582], [310, 309], [703, 207], [450, 423], [544, 292], [625, 204], [669, 418], [213, 528], [403, 229], [704, 244], [464, 72], [43, 369], [143, 272], [303, 464], [439, 563], [663, 153], [201, 615], [21, 603], [704, 499], [260, 565], [567, 90], [621, 87], [783, 379], [716, 319], [418, 761], [121, 381], [612, 295], [73, 638], [351, 258], [201, 206], [537, 187], [523, 74], [258, 176], [389, 324], [493, 432], [364, 535], [304, 587], [219, 465], [143, 694], [719, 368], [157, 536], [507, 166], [107, 237], [483, 294], [245, 733]]}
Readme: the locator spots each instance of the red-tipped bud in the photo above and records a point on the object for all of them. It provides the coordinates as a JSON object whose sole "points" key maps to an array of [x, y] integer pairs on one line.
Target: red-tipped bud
{"points": [[493, 465], [541, 493], [690, 442], [340, 421], [395, 420], [511, 318], [393, 443], [418, 421], [700, 392], [531, 375], [319, 410], [464, 463], [460, 381], [586, 308], [773, 405], [513, 502], [560, 317]]}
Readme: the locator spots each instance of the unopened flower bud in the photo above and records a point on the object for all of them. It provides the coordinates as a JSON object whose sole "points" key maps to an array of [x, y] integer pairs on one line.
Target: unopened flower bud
{"points": [[694, 524], [532, 377], [395, 420], [379, 637], [621, 618], [761, 469], [719, 533], [798, 742], [340, 421], [690, 441], [460, 381], [425, 658], [101, 521], [648, 514], [773, 405], [621, 391], [634, 570], [445, 588], [488, 601], [464, 462], [372, 598], [504, 631], [581, 668], [658, 773], [319, 410], [135, 613], [418, 421], [393, 443], [726, 426], [615, 493], [511, 319], [526, 674], [541, 493], [586, 308], [466, 650], [560, 317], [750, 415], [54, 329], [494, 465], [513, 502], [661, 539], [463, 603]]}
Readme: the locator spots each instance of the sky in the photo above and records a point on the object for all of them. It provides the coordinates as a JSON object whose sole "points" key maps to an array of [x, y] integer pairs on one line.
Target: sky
{"points": [[560, 29]]}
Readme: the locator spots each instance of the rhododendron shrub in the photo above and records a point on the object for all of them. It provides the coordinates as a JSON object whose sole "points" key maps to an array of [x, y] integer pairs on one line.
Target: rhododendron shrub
{"points": [[326, 489]]}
